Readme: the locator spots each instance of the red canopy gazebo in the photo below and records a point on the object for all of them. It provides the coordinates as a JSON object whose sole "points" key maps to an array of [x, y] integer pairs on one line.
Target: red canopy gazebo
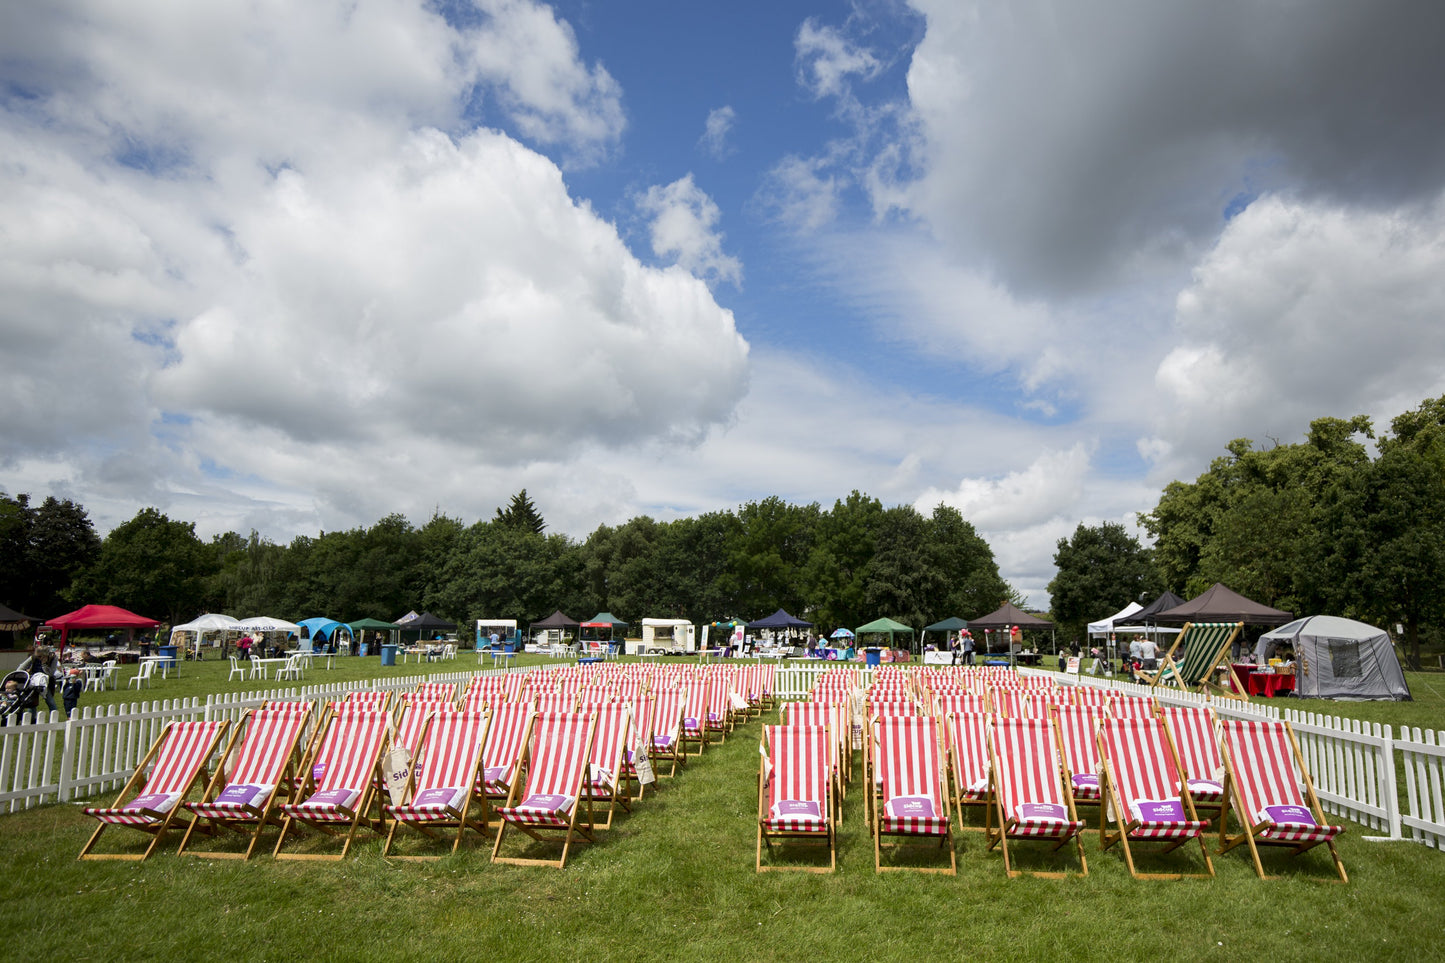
{"points": [[97, 617]]}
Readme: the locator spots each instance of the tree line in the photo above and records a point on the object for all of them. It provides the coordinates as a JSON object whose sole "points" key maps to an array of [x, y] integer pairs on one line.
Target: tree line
{"points": [[844, 565], [1346, 522]]}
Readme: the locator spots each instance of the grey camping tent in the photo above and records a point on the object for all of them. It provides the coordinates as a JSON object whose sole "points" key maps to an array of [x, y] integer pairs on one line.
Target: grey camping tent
{"points": [[1338, 658]]}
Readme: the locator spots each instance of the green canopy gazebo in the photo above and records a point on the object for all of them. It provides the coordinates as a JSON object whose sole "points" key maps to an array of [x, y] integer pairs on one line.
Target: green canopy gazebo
{"points": [[884, 626], [371, 625], [948, 625]]}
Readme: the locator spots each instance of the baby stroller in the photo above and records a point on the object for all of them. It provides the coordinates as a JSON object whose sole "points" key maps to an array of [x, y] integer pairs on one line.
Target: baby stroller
{"points": [[20, 691]]}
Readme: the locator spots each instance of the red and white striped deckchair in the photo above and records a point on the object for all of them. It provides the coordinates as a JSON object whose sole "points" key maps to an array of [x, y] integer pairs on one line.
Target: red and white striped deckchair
{"points": [[561, 700], [442, 792], [435, 692], [696, 695], [507, 733], [830, 717], [605, 782], [370, 701], [1269, 788], [664, 742], [1133, 707], [151, 797], [1014, 702], [340, 788], [1078, 728], [952, 701], [968, 737], [913, 800], [718, 717], [555, 760], [1196, 739], [795, 791], [1146, 797], [258, 768], [1090, 695], [414, 713], [638, 739], [1032, 801]]}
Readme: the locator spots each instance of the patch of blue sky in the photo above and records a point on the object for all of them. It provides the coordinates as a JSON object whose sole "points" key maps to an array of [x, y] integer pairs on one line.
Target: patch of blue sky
{"points": [[160, 336], [150, 157]]}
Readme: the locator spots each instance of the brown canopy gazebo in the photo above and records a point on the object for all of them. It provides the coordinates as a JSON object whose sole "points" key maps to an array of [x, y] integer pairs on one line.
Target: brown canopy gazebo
{"points": [[1003, 617]]}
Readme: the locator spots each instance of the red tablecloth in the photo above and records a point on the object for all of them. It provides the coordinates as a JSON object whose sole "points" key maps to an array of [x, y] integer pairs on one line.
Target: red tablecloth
{"points": [[1268, 684]]}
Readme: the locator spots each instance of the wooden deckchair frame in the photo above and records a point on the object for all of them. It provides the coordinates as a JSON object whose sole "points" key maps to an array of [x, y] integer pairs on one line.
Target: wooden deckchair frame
{"points": [[467, 767], [367, 810], [577, 829], [925, 730], [1250, 831], [1167, 757], [284, 775], [157, 824], [818, 740], [1054, 769], [1208, 644]]}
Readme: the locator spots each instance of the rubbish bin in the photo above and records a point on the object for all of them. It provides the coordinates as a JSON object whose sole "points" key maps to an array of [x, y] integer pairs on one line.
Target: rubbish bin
{"points": [[872, 656], [362, 649], [167, 652], [388, 654]]}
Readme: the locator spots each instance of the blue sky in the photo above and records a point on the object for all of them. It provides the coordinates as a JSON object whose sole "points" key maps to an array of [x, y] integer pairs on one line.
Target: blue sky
{"points": [[294, 267]]}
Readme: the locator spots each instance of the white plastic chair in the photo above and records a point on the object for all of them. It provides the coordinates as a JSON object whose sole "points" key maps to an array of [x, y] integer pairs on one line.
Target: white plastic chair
{"points": [[237, 670], [291, 670], [144, 675]]}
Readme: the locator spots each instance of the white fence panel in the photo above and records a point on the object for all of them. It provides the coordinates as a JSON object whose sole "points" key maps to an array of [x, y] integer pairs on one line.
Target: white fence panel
{"points": [[1423, 752]]}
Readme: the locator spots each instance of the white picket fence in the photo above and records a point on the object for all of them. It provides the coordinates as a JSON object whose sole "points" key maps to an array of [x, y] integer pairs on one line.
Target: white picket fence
{"points": [[97, 749]]}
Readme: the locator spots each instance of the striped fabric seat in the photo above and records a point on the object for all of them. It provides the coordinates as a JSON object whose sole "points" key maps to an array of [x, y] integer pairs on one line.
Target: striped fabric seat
{"points": [[696, 699], [830, 717], [258, 766], [604, 782], [794, 791], [1192, 729], [664, 741], [1144, 792], [442, 791], [1132, 707], [506, 734], [908, 760], [435, 692], [150, 799], [1033, 801], [1078, 726], [968, 750], [341, 787], [556, 764], [1271, 793]]}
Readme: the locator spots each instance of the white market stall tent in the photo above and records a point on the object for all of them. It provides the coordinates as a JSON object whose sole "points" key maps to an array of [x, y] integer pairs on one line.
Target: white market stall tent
{"points": [[672, 635], [1105, 626]]}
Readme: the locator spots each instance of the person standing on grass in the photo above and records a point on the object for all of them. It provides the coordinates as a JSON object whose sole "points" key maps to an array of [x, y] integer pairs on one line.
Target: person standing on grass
{"points": [[1149, 654], [245, 646], [71, 690]]}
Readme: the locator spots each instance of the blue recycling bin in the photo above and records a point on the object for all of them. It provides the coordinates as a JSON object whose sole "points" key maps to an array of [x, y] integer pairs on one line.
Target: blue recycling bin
{"points": [[388, 654], [872, 656], [168, 652]]}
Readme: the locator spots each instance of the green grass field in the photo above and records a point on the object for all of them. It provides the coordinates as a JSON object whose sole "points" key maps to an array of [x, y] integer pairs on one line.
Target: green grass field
{"points": [[675, 880]]}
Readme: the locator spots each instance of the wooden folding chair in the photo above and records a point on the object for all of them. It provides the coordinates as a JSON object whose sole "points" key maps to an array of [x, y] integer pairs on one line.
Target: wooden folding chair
{"points": [[151, 797], [795, 792], [1148, 801], [507, 732], [1078, 727], [341, 782], [664, 742], [555, 760], [605, 782], [1032, 801], [1270, 792], [442, 791], [1196, 738], [1205, 646], [259, 767], [697, 696], [913, 803]]}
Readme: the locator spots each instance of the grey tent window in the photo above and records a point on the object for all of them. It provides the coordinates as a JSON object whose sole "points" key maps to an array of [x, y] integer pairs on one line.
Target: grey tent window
{"points": [[1345, 658]]}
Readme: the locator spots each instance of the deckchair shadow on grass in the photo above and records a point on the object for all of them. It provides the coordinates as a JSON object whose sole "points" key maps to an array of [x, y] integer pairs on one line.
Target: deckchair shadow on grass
{"points": [[151, 798]]}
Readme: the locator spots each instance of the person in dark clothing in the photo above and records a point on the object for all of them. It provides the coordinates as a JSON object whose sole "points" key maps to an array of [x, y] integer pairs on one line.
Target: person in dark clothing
{"points": [[71, 690]]}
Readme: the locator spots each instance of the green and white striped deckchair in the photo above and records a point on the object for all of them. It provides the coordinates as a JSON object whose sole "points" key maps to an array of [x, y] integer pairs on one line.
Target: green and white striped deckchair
{"points": [[1205, 645]]}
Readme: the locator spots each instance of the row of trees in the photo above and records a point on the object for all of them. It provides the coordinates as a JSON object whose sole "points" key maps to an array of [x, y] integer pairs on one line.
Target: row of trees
{"points": [[840, 566], [1345, 523]]}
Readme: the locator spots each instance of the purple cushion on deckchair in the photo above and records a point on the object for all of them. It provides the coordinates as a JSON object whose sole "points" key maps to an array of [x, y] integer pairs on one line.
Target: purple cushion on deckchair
{"points": [[1157, 810], [333, 797], [797, 809], [239, 794], [1293, 815], [1085, 780], [450, 797], [1036, 812], [158, 802], [546, 802], [911, 807]]}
